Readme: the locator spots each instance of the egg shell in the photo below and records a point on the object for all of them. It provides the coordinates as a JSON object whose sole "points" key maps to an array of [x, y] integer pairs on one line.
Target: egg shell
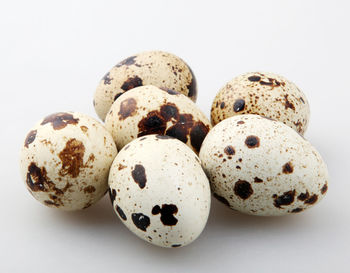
{"points": [[263, 167], [65, 160], [157, 68], [265, 94], [150, 110], [160, 191]]}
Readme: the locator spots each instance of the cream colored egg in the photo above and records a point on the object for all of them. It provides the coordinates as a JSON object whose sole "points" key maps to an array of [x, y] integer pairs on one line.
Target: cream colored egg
{"points": [[65, 160], [157, 68], [263, 167], [160, 191], [150, 110], [265, 94]]}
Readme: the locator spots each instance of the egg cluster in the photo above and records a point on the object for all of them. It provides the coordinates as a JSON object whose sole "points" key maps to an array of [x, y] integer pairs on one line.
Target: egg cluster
{"points": [[254, 160]]}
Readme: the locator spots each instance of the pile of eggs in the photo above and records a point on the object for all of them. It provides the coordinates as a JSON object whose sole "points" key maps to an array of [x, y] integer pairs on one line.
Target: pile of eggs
{"points": [[160, 159]]}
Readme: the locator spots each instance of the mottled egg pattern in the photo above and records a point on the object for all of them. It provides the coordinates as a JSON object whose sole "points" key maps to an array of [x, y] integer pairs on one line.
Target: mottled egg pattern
{"points": [[157, 68], [160, 191], [65, 160], [150, 110], [263, 167], [265, 94]]}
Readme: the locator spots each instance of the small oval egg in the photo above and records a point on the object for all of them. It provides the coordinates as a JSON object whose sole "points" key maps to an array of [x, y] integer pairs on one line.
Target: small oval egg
{"points": [[150, 110], [160, 191], [265, 94], [263, 167], [157, 68], [65, 160]]}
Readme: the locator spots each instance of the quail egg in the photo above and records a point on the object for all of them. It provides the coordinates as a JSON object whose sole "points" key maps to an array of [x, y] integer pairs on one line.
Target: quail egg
{"points": [[265, 94], [157, 68], [263, 167], [160, 191], [150, 110], [65, 160]]}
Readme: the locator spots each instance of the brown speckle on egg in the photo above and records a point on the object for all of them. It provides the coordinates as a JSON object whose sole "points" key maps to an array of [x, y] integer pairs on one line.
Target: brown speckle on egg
{"points": [[252, 142], [128, 108], [243, 189], [60, 120], [139, 175]]}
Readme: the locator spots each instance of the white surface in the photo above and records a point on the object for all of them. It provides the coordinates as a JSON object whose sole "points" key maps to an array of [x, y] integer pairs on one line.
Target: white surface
{"points": [[52, 55]]}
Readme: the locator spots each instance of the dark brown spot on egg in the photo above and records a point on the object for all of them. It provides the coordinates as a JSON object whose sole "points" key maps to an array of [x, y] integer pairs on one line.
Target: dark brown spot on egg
{"points": [[112, 194], [167, 212], [302, 100], [60, 120], [169, 111], [197, 134], [287, 168], [222, 105], [324, 188], [221, 199], [117, 96], [243, 189], [131, 83], [84, 129], [258, 180], [254, 78], [51, 203], [89, 189], [153, 123], [288, 104], [72, 158], [120, 212], [285, 199], [30, 138], [107, 79], [37, 180], [192, 87], [297, 210], [139, 175], [229, 150], [178, 131], [176, 245], [127, 61], [238, 105], [311, 200], [141, 221], [240, 122], [128, 108], [252, 142], [303, 196]]}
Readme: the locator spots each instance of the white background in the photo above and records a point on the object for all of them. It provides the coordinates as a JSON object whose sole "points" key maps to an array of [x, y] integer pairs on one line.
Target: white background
{"points": [[52, 56]]}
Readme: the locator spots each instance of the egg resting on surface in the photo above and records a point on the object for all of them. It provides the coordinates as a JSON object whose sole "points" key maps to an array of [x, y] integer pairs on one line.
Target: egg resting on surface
{"points": [[150, 110], [263, 167], [265, 94], [160, 191], [156, 68], [65, 160]]}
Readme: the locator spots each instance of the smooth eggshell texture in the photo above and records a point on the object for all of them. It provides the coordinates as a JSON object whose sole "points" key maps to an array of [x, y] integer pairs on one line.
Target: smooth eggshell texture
{"points": [[265, 94], [157, 68], [160, 191], [149, 110], [65, 160], [263, 167]]}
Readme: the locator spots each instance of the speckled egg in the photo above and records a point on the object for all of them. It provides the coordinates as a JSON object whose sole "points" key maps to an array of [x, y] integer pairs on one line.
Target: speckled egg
{"points": [[160, 191], [263, 167], [157, 68], [265, 94], [65, 160], [150, 110]]}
